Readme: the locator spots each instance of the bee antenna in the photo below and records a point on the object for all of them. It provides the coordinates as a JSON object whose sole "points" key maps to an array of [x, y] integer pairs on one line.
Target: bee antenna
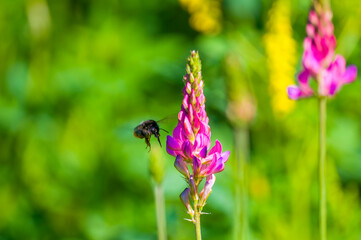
{"points": [[164, 130]]}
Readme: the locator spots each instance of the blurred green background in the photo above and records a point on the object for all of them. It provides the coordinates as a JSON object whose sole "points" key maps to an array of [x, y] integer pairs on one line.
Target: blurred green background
{"points": [[77, 76]]}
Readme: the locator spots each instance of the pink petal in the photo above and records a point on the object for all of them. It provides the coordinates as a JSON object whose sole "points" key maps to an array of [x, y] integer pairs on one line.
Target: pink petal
{"points": [[329, 84], [207, 189], [225, 156], [185, 101], [332, 89], [219, 167], [187, 149], [190, 113], [310, 62], [205, 170], [216, 149], [171, 152], [196, 122], [310, 29], [196, 165], [187, 127], [201, 141], [188, 87], [313, 17], [294, 92], [181, 115], [172, 144], [203, 152], [350, 74], [177, 132], [303, 77], [339, 65], [193, 98]]}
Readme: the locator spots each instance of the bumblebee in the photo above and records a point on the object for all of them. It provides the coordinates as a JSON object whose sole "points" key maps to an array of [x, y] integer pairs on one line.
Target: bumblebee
{"points": [[145, 130]]}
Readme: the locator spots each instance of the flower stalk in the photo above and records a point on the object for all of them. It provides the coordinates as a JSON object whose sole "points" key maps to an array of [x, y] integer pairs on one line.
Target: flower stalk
{"points": [[156, 168], [160, 211], [240, 112], [197, 220], [322, 169], [241, 150]]}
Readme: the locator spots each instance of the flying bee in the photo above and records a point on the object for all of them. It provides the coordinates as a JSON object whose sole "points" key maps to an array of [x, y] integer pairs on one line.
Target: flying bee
{"points": [[146, 129]]}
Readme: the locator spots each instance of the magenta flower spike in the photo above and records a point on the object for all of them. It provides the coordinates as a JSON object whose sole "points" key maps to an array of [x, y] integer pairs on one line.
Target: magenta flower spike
{"points": [[319, 60], [191, 142]]}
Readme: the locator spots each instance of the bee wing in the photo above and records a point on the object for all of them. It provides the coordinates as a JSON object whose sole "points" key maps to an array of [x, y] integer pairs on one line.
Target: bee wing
{"points": [[168, 122], [125, 130], [168, 119]]}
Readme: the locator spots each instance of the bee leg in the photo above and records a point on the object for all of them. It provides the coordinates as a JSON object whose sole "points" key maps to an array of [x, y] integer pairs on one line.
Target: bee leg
{"points": [[148, 144], [157, 136]]}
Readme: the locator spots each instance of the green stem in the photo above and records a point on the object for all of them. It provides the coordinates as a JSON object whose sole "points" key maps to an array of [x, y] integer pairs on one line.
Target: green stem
{"points": [[160, 210], [197, 218], [241, 141], [322, 168]]}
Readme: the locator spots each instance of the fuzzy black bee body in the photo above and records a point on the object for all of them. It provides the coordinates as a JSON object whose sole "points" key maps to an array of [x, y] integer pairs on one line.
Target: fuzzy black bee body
{"points": [[146, 129]]}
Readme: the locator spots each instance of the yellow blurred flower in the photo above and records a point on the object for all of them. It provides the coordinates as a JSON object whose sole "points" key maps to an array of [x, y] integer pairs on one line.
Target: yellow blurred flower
{"points": [[205, 15], [281, 59]]}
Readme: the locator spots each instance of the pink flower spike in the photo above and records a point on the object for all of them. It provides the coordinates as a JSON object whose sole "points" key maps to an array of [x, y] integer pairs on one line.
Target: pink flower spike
{"points": [[319, 60], [191, 140]]}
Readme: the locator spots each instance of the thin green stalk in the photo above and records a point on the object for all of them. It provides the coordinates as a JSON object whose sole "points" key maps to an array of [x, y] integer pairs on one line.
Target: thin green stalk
{"points": [[241, 140], [322, 168], [160, 210], [197, 218]]}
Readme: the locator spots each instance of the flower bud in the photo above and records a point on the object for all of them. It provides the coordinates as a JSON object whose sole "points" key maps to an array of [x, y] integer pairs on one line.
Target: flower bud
{"points": [[184, 196], [156, 164], [181, 166], [207, 189], [193, 188]]}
